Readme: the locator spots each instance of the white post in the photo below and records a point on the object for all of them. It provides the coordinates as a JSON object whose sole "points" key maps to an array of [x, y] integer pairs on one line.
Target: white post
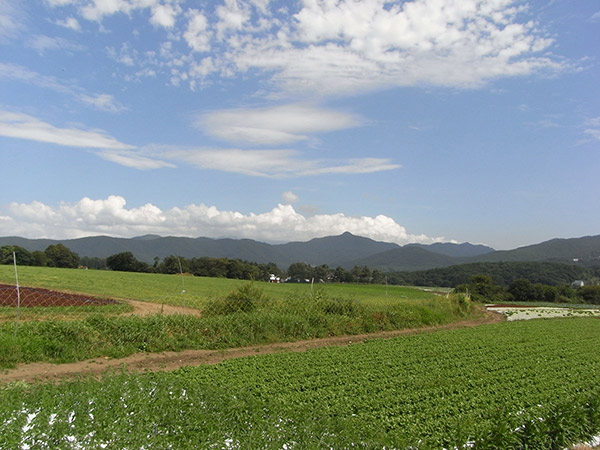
{"points": [[182, 283], [18, 291]]}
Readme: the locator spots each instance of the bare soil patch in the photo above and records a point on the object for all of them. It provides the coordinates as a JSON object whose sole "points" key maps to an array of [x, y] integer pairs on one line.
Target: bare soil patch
{"points": [[148, 309], [29, 297], [141, 362]]}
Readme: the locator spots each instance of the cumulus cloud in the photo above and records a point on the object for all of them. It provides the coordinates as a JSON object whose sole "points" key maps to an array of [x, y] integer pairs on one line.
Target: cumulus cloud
{"points": [[164, 15], [23, 126], [346, 46], [277, 125], [289, 197], [197, 34], [111, 216], [70, 22]]}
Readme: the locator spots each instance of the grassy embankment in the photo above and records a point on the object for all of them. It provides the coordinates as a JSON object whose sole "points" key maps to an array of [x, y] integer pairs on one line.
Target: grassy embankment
{"points": [[271, 313], [509, 385]]}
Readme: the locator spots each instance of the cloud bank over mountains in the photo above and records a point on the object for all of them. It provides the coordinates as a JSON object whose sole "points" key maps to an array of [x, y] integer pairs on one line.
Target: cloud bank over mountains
{"points": [[110, 216]]}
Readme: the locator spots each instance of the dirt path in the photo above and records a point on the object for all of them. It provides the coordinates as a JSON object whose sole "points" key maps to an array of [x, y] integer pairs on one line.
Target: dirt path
{"points": [[141, 362], [147, 308]]}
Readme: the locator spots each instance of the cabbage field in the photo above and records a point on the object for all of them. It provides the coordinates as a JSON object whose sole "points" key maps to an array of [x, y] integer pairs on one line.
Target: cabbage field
{"points": [[531, 384]]}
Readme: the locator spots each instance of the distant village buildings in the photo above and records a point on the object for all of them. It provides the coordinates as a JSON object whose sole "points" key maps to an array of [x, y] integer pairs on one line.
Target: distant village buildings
{"points": [[274, 278]]}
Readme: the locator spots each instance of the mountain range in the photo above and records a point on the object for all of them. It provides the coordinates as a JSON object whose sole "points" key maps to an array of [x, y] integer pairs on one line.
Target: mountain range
{"points": [[346, 250]]}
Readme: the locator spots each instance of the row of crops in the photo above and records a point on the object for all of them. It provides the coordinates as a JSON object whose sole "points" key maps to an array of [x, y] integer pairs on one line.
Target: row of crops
{"points": [[533, 384]]}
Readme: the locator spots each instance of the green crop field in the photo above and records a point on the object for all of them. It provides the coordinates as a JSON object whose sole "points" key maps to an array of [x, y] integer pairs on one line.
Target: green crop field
{"points": [[513, 385]]}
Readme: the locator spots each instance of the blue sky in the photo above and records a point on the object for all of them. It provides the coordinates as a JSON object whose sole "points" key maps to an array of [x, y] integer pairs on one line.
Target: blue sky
{"points": [[414, 121]]}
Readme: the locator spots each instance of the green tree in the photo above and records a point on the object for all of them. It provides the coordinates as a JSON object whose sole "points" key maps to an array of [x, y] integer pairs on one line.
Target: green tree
{"points": [[60, 256], [300, 271], [126, 262], [522, 290], [23, 256], [39, 258], [589, 294], [482, 288], [171, 265], [341, 275], [322, 272]]}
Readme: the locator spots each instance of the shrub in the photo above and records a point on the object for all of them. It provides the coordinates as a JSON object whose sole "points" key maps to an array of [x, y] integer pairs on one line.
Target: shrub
{"points": [[243, 299], [589, 294]]}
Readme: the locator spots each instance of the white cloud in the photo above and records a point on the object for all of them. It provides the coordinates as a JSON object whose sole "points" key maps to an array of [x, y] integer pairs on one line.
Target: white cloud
{"points": [[103, 102], [23, 126], [110, 216], [289, 197], [232, 16], [97, 9], [134, 160], [592, 128], [41, 44], [345, 47], [11, 20], [164, 15], [275, 125], [197, 34], [273, 163], [70, 22]]}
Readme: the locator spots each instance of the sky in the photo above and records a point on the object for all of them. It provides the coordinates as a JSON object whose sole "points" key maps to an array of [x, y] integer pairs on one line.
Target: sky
{"points": [[402, 121]]}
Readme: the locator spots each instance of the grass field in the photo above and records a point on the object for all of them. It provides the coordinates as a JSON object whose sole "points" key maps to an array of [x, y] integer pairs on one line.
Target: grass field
{"points": [[513, 385], [255, 313], [167, 289]]}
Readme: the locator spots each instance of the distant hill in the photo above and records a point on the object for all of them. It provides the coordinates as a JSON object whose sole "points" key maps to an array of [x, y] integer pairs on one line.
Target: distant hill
{"points": [[405, 258], [463, 250], [331, 250], [334, 250], [584, 249], [346, 250], [503, 273]]}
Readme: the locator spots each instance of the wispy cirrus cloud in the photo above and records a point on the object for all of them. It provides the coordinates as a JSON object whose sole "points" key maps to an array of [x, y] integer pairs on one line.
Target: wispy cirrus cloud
{"points": [[273, 163], [276, 125], [24, 126], [103, 102], [110, 216], [592, 128], [12, 20], [270, 163], [42, 43], [134, 159]]}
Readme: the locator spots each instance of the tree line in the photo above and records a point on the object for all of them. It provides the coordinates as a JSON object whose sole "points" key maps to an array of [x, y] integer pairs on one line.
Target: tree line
{"points": [[503, 274], [483, 288], [56, 255]]}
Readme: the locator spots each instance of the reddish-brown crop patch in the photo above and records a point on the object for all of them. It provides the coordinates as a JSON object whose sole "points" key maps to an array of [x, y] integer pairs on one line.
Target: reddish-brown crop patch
{"points": [[38, 297]]}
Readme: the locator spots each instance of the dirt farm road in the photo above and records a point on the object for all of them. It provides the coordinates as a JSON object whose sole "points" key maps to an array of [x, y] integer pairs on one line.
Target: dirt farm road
{"points": [[142, 362]]}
